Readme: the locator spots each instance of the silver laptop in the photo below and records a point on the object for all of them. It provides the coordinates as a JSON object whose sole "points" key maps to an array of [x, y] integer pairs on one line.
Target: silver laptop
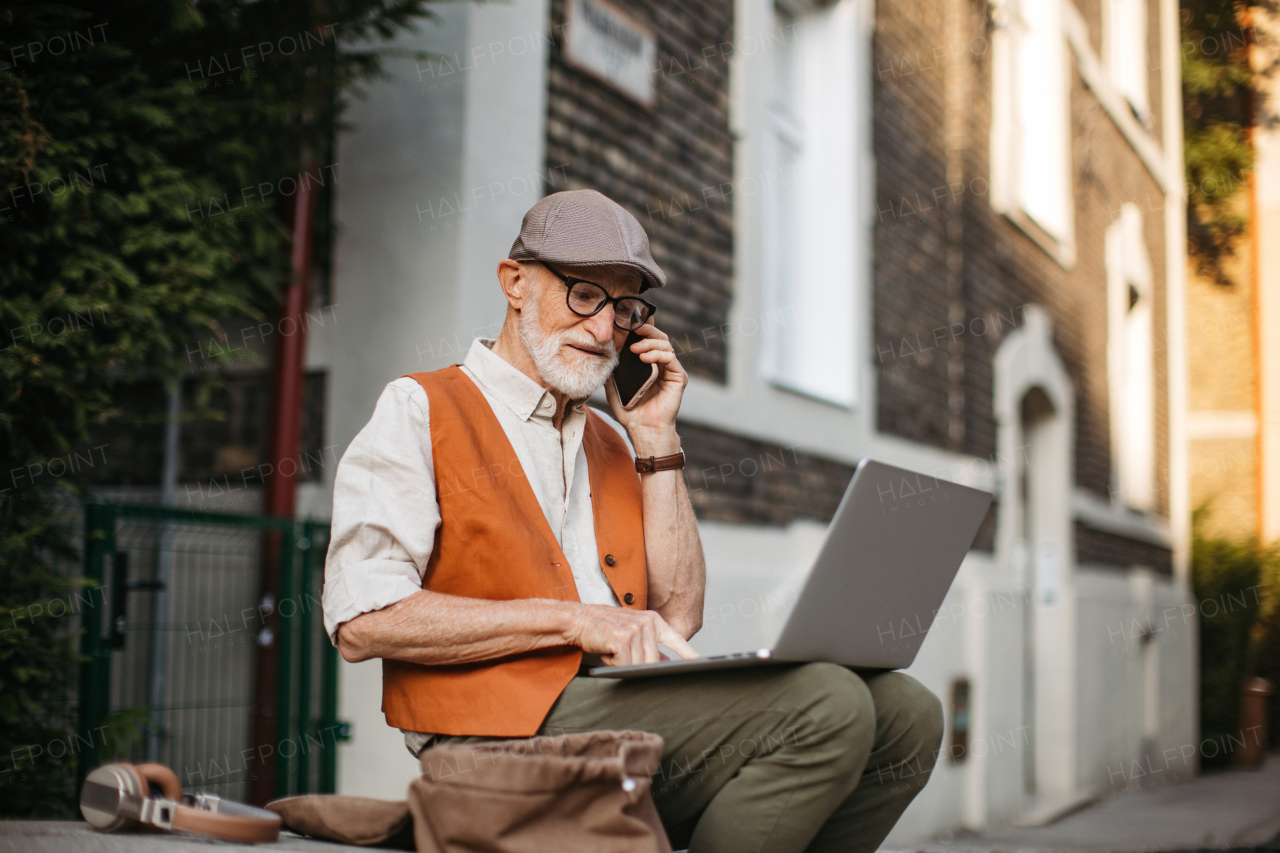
{"points": [[891, 553]]}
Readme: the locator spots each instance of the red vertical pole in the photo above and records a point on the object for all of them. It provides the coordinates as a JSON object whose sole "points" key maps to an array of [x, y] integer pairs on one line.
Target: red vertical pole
{"points": [[290, 357], [281, 487]]}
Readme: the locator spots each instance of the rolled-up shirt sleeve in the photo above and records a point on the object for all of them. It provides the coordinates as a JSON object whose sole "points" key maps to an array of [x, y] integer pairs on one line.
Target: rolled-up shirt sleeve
{"points": [[385, 511]]}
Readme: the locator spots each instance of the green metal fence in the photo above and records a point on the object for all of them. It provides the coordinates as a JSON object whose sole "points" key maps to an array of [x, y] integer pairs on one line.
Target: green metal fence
{"points": [[230, 677]]}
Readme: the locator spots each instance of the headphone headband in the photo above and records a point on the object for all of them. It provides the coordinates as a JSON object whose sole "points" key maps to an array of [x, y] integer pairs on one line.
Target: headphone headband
{"points": [[118, 796]]}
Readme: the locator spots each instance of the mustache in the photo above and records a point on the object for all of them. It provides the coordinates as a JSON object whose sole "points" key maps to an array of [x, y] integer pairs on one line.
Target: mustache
{"points": [[608, 350]]}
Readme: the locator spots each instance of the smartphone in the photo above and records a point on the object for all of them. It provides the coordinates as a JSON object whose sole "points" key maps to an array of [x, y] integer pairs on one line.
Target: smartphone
{"points": [[632, 376]]}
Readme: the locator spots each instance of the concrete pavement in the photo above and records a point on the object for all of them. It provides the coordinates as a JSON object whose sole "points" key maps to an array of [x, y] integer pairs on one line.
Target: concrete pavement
{"points": [[1229, 810], [1235, 809]]}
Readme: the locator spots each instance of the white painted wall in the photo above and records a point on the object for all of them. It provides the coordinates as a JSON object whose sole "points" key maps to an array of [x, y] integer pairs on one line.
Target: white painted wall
{"points": [[753, 577]]}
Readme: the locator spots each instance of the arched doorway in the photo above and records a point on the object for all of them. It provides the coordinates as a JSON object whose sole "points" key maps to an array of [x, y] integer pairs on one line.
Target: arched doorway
{"points": [[1033, 555], [1034, 405]]}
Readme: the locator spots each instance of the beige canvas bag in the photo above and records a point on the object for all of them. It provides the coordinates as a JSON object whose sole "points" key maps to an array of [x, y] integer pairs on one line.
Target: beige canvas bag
{"points": [[577, 793]]}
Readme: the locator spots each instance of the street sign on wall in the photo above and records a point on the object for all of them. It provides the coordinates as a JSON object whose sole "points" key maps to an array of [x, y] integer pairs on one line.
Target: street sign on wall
{"points": [[612, 46]]}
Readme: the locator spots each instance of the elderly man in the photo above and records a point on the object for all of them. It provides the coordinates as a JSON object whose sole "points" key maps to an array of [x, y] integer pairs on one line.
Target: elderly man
{"points": [[493, 536]]}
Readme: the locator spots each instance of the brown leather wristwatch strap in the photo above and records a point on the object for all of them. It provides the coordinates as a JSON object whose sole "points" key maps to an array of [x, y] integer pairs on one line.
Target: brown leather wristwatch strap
{"points": [[649, 464]]}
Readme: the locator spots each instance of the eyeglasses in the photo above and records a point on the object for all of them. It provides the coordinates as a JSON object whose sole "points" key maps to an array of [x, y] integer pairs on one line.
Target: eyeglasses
{"points": [[586, 299]]}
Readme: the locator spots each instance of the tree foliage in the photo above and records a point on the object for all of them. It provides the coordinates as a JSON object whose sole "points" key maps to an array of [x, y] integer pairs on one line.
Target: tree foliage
{"points": [[1216, 86], [147, 148]]}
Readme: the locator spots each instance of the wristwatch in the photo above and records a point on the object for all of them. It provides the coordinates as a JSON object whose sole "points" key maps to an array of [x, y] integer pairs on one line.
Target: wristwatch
{"points": [[650, 464]]}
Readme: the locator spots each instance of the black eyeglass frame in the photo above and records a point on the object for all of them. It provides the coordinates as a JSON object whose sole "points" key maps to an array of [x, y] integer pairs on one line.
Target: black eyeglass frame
{"points": [[571, 280]]}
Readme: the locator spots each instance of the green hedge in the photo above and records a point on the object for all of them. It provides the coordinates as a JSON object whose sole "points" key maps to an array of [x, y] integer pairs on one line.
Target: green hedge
{"points": [[1266, 646], [1228, 579], [38, 656]]}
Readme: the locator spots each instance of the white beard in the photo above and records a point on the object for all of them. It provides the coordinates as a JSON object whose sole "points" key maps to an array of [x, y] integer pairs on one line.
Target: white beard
{"points": [[576, 377]]}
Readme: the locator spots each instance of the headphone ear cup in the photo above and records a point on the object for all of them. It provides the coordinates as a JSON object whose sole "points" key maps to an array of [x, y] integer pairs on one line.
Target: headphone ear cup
{"points": [[139, 784], [162, 776], [122, 777]]}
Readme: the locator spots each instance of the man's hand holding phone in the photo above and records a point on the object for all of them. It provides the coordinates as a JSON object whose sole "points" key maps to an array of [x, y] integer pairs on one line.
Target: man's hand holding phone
{"points": [[651, 422]]}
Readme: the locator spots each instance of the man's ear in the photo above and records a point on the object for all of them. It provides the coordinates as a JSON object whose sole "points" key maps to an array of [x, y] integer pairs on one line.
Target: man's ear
{"points": [[516, 280]]}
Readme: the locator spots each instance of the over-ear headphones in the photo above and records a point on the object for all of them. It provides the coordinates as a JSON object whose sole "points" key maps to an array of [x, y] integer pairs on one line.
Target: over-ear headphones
{"points": [[118, 797]]}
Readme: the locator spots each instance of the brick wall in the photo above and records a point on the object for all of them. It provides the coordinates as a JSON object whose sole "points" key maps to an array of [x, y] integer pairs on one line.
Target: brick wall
{"points": [[1099, 548], [934, 342], [910, 237], [1108, 175], [1222, 350], [1093, 11], [736, 479], [1003, 269], [663, 165]]}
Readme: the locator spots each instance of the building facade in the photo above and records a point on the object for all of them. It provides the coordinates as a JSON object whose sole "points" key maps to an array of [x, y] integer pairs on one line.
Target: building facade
{"points": [[944, 234], [1233, 331], [1266, 280]]}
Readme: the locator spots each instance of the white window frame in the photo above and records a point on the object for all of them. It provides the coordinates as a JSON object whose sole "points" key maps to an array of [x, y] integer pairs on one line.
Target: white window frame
{"points": [[810, 208], [1031, 164], [1125, 48], [1131, 361]]}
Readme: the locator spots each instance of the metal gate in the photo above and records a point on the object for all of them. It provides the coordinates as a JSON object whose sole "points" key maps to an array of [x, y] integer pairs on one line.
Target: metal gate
{"points": [[229, 679]]}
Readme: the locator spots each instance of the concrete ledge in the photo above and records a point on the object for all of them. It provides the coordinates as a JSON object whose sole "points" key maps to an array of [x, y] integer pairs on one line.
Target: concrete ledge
{"points": [[1100, 515], [67, 836], [59, 836]]}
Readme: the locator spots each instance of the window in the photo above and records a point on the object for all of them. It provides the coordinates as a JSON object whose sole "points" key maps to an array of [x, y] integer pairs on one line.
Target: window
{"points": [[1130, 360], [1030, 134], [810, 201], [1126, 51]]}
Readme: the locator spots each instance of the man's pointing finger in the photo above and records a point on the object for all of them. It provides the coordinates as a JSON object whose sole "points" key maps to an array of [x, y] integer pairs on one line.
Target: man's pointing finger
{"points": [[669, 638]]}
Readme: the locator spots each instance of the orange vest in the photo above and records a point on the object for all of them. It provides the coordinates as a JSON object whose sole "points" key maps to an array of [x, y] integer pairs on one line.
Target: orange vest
{"points": [[494, 542]]}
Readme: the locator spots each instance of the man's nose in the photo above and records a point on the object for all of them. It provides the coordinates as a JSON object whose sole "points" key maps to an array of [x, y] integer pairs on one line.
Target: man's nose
{"points": [[600, 325]]}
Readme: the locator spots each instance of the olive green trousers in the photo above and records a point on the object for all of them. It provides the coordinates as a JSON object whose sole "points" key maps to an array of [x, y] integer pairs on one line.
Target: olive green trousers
{"points": [[784, 759]]}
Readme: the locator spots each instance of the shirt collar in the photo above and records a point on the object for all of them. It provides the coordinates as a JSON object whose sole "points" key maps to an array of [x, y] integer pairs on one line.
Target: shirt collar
{"points": [[505, 382]]}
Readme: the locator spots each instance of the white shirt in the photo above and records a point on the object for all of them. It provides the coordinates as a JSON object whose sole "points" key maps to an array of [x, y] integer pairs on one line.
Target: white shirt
{"points": [[385, 511]]}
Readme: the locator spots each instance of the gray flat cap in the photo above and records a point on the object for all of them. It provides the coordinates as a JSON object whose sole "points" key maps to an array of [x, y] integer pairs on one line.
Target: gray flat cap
{"points": [[586, 228]]}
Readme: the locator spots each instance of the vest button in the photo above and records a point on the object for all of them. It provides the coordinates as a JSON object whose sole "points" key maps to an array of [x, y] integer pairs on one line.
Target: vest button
{"points": [[629, 598], [608, 558]]}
